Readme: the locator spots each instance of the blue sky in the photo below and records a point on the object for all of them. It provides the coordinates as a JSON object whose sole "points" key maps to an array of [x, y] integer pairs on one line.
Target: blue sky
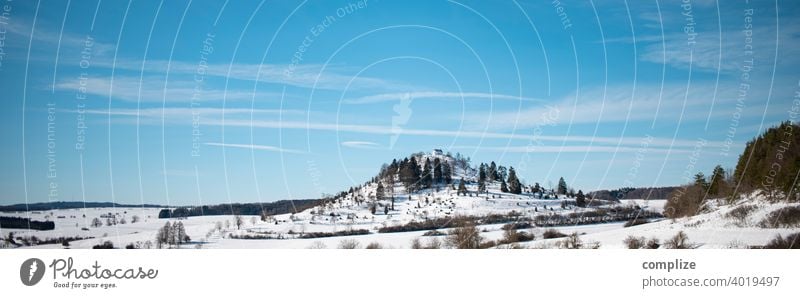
{"points": [[178, 102]]}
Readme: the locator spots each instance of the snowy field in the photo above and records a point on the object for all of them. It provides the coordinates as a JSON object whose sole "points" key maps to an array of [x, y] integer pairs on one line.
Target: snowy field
{"points": [[709, 230]]}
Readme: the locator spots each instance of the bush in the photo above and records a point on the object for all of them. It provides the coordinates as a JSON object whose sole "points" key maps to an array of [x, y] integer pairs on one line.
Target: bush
{"points": [[487, 244], [466, 236], [634, 242], [130, 246], [518, 226], [740, 213], [374, 245], [104, 245], [571, 242], [434, 233], [679, 241], [317, 245], [791, 241], [786, 217], [552, 233], [433, 243], [334, 234], [513, 236], [653, 243], [349, 244], [685, 201], [636, 222], [416, 244]]}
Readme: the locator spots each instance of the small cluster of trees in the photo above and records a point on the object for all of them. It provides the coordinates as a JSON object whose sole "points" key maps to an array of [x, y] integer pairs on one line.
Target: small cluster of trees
{"points": [[417, 174], [509, 182], [171, 234]]}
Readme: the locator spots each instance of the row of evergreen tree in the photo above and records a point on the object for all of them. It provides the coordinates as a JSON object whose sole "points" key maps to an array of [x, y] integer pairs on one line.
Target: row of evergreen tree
{"points": [[415, 176]]}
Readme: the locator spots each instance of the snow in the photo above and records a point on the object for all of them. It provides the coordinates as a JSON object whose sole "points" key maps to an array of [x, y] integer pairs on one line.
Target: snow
{"points": [[708, 230]]}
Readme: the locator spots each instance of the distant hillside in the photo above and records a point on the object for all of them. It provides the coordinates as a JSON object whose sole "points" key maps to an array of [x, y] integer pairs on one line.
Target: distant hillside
{"points": [[266, 208], [70, 205], [630, 193]]}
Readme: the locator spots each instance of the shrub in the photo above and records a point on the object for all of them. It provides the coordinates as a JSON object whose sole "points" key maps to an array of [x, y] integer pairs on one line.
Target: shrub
{"points": [[434, 243], [685, 201], [487, 244], [791, 241], [634, 242], [786, 217], [374, 245], [334, 234], [130, 246], [653, 243], [349, 244], [571, 242], [466, 236], [317, 245], [636, 222], [434, 233], [104, 245], [512, 236], [518, 226], [740, 213], [679, 241], [552, 233], [416, 244]]}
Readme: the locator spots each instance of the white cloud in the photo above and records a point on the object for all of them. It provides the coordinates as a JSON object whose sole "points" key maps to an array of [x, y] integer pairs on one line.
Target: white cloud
{"points": [[256, 147], [182, 113], [155, 89], [360, 144], [269, 119], [384, 97], [319, 76], [577, 149], [709, 53]]}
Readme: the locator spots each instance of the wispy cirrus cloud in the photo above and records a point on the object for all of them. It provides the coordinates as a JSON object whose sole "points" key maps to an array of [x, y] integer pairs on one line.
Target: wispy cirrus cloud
{"points": [[256, 147], [619, 104], [156, 89], [317, 76], [726, 51], [437, 95], [360, 144], [576, 149], [269, 119], [174, 113]]}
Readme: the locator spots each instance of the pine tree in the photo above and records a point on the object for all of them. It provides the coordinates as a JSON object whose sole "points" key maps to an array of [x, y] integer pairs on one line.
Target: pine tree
{"points": [[700, 180], [437, 171], [462, 188], [562, 186], [717, 183], [447, 172], [502, 173], [492, 172], [408, 174], [426, 179], [503, 186], [513, 182], [580, 199], [482, 172], [536, 188], [379, 192]]}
